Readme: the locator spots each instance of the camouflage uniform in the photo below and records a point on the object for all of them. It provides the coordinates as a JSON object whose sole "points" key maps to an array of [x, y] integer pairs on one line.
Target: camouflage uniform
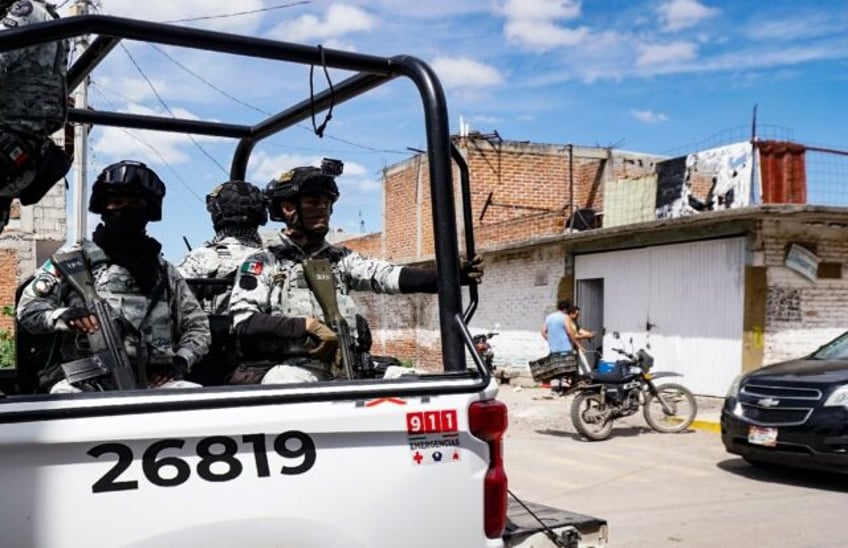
{"points": [[176, 326], [220, 258], [273, 282], [33, 89]]}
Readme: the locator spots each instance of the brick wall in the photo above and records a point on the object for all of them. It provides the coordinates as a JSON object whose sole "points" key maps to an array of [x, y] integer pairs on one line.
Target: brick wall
{"points": [[802, 314], [529, 186], [8, 284], [34, 233]]}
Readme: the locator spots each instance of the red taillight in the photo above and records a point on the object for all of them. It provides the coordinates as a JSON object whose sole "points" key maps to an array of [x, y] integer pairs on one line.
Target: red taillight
{"points": [[488, 421]]}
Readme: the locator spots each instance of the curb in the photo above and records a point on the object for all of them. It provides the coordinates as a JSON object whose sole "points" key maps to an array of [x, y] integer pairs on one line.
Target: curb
{"points": [[707, 426]]}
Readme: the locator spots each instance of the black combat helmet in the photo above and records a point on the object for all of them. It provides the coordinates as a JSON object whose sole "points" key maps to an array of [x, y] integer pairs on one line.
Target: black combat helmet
{"points": [[302, 181], [237, 203], [128, 178]]}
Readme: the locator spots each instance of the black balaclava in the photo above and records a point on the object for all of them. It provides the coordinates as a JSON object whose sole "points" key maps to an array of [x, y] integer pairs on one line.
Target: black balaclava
{"points": [[122, 236]]}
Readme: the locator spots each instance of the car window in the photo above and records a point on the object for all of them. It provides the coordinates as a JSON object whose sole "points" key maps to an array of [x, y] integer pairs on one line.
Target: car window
{"points": [[837, 349]]}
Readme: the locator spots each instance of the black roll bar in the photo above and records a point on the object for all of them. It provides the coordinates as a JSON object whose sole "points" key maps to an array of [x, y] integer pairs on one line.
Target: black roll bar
{"points": [[372, 71]]}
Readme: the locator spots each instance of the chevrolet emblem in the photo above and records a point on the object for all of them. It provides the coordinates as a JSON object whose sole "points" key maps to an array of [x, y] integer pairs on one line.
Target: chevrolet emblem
{"points": [[768, 402]]}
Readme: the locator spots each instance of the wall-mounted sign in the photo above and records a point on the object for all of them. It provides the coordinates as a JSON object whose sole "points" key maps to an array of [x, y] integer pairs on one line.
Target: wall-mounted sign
{"points": [[803, 261]]}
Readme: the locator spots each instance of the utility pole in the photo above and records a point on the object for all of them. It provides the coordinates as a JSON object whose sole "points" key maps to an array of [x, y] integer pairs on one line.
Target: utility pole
{"points": [[80, 190]]}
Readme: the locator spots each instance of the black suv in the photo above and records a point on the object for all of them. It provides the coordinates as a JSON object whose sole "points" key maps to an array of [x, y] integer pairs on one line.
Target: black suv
{"points": [[792, 413]]}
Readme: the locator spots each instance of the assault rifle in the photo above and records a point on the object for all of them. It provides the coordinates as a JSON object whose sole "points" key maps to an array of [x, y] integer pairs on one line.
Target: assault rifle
{"points": [[108, 355], [319, 277]]}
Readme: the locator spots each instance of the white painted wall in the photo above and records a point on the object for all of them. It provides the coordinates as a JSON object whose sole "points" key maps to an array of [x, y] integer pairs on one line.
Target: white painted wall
{"points": [[518, 291]]}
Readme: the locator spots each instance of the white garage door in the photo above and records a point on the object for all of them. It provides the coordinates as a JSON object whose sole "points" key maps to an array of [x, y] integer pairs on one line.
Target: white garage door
{"points": [[684, 300]]}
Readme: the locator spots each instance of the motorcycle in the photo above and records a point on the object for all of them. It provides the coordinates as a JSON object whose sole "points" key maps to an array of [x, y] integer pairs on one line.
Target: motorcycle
{"points": [[484, 348], [621, 392]]}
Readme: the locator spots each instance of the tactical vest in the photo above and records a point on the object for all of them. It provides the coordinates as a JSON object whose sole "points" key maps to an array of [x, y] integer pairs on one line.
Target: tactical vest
{"points": [[139, 322], [33, 91], [292, 297]]}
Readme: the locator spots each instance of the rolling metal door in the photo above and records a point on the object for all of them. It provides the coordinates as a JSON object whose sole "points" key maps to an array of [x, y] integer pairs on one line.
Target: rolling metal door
{"points": [[684, 300]]}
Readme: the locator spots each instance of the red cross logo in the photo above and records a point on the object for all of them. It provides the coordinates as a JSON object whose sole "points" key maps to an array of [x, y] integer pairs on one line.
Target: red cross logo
{"points": [[418, 457]]}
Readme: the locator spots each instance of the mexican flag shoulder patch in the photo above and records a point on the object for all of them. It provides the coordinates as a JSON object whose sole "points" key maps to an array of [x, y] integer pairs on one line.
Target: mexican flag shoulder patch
{"points": [[252, 267]]}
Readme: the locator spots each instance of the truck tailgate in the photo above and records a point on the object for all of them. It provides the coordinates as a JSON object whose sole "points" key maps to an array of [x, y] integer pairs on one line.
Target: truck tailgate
{"points": [[524, 531]]}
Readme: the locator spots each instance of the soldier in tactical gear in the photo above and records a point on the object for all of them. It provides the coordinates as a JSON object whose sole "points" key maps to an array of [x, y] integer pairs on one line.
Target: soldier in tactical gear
{"points": [[33, 105], [164, 329], [238, 209], [275, 312]]}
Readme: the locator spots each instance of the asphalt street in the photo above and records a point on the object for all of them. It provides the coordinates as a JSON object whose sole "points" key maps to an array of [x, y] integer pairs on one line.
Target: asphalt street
{"points": [[657, 490]]}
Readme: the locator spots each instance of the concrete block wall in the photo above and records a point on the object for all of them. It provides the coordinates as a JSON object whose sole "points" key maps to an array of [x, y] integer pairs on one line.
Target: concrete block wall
{"points": [[801, 314], [519, 289], [42, 226]]}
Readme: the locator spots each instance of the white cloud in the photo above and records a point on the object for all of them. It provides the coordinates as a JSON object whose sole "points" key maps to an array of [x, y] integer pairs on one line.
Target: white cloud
{"points": [[339, 20], [649, 116], [683, 14], [187, 9], [154, 147], [465, 73], [264, 167], [658, 54], [533, 23], [543, 35], [360, 185], [541, 9]]}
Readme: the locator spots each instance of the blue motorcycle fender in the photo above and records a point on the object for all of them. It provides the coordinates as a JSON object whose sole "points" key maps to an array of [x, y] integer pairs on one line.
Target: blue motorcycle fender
{"points": [[661, 374]]}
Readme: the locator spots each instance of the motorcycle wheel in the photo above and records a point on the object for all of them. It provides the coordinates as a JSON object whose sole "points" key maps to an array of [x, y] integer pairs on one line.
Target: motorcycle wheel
{"points": [[586, 411], [680, 413]]}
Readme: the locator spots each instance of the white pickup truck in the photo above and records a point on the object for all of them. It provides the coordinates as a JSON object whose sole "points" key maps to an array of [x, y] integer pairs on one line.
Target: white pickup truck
{"points": [[412, 461]]}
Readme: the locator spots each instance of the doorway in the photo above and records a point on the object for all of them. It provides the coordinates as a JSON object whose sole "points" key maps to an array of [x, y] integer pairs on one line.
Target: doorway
{"points": [[590, 299]]}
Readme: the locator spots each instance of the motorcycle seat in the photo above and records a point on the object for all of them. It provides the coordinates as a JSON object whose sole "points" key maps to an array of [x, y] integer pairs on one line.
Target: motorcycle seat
{"points": [[617, 376]]}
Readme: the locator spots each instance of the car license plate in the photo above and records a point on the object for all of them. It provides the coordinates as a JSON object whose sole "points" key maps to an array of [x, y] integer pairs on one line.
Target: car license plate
{"points": [[759, 435]]}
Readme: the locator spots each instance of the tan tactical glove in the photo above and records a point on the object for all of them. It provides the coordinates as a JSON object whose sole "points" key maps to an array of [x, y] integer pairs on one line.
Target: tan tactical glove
{"points": [[326, 341], [471, 270]]}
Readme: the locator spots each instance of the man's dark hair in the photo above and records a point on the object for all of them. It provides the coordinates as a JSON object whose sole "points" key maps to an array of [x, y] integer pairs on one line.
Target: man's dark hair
{"points": [[564, 304]]}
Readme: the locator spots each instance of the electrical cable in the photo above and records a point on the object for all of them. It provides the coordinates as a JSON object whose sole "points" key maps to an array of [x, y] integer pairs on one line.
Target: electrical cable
{"points": [[236, 14], [138, 138], [168, 109]]}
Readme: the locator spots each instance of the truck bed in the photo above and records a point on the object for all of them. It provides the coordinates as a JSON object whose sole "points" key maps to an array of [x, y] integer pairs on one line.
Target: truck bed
{"points": [[524, 531]]}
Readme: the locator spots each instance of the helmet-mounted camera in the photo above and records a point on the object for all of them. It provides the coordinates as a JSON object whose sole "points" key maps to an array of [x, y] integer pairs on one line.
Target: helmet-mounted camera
{"points": [[303, 181]]}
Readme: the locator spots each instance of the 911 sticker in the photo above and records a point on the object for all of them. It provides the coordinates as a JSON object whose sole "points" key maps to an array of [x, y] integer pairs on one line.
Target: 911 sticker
{"points": [[431, 422], [218, 460], [433, 437]]}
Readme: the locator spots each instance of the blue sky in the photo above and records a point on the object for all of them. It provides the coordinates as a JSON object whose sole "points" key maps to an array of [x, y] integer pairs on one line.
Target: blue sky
{"points": [[657, 76]]}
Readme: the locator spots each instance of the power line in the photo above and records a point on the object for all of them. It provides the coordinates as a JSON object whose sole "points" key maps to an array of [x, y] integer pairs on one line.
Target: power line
{"points": [[239, 13], [138, 138], [168, 109], [263, 111]]}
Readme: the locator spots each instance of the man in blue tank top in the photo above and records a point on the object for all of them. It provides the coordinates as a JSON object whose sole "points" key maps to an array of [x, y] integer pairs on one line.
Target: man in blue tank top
{"points": [[554, 330]]}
